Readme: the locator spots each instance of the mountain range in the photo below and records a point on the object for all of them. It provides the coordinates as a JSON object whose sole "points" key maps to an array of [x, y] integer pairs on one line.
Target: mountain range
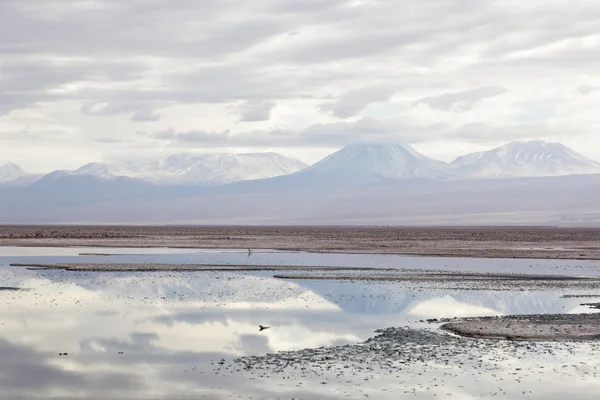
{"points": [[217, 168], [376, 183], [372, 161]]}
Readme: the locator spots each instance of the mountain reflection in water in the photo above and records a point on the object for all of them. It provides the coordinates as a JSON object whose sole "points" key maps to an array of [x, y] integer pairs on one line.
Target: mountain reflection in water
{"points": [[163, 333]]}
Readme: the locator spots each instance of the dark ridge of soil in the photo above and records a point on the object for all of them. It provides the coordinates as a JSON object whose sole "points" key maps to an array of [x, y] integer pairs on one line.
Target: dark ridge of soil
{"points": [[592, 305], [123, 267], [556, 327]]}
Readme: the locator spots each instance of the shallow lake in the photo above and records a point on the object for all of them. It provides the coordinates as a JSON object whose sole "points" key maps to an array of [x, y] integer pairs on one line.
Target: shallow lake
{"points": [[163, 334]]}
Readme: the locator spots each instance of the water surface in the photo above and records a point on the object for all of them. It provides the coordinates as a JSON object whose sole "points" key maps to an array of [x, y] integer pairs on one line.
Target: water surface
{"points": [[157, 334]]}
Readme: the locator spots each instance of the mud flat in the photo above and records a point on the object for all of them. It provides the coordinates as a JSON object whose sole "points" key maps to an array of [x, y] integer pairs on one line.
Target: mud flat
{"points": [[148, 267], [482, 242], [408, 351], [391, 348], [557, 327]]}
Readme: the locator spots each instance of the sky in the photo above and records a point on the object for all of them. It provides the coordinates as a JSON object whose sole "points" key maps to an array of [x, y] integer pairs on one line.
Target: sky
{"points": [[107, 80]]}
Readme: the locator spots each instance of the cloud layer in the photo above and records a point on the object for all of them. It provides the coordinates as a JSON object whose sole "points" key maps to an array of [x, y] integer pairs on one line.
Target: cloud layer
{"points": [[100, 79]]}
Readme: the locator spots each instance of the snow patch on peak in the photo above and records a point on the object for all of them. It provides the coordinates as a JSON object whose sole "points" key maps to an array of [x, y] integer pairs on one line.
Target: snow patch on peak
{"points": [[97, 169], [533, 158], [383, 160]]}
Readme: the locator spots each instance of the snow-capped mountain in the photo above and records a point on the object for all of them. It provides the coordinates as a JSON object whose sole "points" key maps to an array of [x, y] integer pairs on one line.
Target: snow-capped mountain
{"points": [[216, 168], [98, 169], [10, 171], [381, 160], [525, 159]]}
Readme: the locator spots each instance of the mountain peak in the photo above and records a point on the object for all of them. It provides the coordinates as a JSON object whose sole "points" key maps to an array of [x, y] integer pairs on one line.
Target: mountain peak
{"points": [[532, 144], [11, 171], [525, 158], [95, 168], [381, 160], [383, 148]]}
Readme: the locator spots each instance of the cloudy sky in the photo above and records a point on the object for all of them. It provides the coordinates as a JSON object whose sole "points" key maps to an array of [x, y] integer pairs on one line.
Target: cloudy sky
{"points": [[91, 80]]}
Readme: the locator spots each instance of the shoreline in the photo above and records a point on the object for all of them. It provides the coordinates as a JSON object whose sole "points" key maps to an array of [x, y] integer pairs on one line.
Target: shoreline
{"points": [[458, 242], [573, 255]]}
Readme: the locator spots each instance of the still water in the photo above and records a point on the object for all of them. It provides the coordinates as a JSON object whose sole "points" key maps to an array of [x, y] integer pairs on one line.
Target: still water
{"points": [[160, 334]]}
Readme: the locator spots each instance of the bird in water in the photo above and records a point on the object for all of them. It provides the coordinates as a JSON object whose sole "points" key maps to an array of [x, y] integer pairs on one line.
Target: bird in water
{"points": [[262, 328]]}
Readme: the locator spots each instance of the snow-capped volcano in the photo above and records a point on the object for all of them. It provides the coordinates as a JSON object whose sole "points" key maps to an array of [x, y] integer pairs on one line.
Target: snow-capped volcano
{"points": [[382, 160], [215, 168], [98, 169], [534, 158], [10, 171]]}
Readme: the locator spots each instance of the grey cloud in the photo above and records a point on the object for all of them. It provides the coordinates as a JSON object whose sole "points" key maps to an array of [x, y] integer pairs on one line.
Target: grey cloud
{"points": [[138, 57], [152, 27], [145, 116], [25, 81], [200, 137], [88, 40], [27, 135], [254, 111], [461, 101], [585, 89], [220, 49], [141, 111], [342, 133], [355, 101], [335, 134], [339, 134], [110, 140], [485, 133], [400, 30], [303, 6]]}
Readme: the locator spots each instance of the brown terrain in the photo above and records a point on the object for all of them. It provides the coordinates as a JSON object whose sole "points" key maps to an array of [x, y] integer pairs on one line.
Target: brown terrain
{"points": [[502, 242]]}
